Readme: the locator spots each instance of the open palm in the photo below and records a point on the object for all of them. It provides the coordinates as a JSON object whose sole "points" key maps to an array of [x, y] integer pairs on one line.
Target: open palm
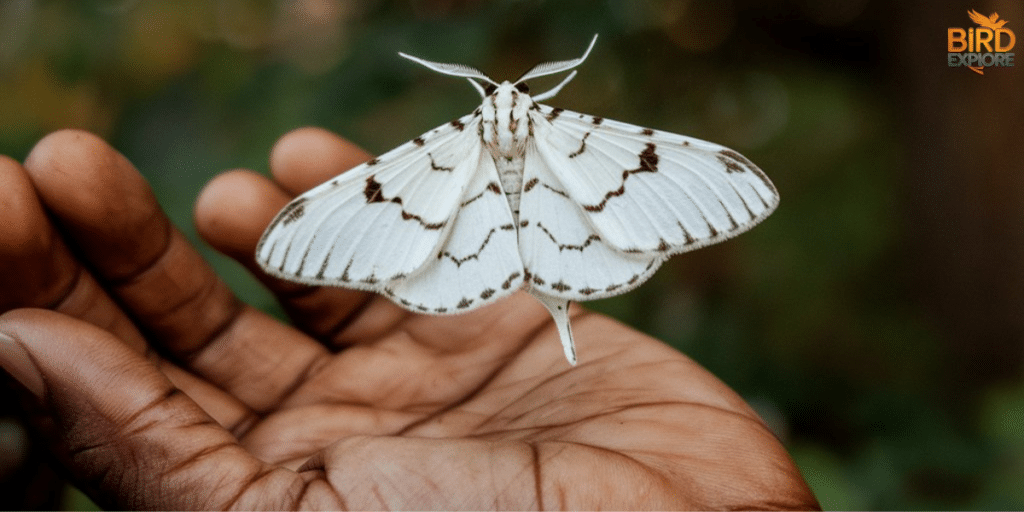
{"points": [[160, 389]]}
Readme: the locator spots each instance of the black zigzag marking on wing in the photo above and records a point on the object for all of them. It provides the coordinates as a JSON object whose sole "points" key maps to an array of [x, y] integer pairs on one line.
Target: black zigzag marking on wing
{"points": [[648, 163], [571, 247], [472, 256], [435, 167], [492, 187], [582, 148], [373, 194]]}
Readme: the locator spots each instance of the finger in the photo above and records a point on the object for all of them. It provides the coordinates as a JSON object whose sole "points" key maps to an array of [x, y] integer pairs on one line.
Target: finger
{"points": [[126, 434], [109, 213], [38, 270], [231, 213], [111, 217], [35, 267], [307, 157]]}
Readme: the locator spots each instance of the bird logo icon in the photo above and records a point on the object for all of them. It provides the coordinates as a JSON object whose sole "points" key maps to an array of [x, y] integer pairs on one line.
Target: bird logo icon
{"points": [[993, 22]]}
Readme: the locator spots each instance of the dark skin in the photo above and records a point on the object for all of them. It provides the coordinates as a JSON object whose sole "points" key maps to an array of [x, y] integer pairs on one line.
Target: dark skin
{"points": [[158, 388]]}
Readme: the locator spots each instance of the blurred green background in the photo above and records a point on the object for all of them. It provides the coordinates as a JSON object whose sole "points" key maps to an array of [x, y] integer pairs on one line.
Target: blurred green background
{"points": [[876, 320]]}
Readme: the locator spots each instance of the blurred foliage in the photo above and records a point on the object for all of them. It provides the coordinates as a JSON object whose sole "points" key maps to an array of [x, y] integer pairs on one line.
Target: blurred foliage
{"points": [[811, 316]]}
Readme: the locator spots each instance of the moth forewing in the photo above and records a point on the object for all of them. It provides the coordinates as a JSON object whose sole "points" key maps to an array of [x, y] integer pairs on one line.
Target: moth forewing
{"points": [[345, 231], [646, 191]]}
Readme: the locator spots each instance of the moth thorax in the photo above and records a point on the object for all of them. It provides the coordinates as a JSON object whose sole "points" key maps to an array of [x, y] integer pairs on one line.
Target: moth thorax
{"points": [[505, 119]]}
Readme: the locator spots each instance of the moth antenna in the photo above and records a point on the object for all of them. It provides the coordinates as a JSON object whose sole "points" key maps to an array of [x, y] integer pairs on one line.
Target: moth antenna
{"points": [[478, 88], [459, 70], [550, 68], [550, 93]]}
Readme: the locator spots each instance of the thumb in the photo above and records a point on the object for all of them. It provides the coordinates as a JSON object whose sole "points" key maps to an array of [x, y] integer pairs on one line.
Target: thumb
{"points": [[128, 437]]}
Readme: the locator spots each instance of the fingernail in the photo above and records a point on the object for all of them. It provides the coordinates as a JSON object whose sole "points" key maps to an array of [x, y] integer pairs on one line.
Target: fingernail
{"points": [[16, 361]]}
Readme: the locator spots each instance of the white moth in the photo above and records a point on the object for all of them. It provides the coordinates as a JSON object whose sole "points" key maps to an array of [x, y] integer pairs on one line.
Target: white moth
{"points": [[516, 195]]}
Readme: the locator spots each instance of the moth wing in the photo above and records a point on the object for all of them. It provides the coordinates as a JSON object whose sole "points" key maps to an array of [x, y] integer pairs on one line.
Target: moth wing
{"points": [[564, 256], [651, 192], [379, 221], [478, 262]]}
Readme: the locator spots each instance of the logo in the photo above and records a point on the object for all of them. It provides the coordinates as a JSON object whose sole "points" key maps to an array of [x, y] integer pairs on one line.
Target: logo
{"points": [[985, 46]]}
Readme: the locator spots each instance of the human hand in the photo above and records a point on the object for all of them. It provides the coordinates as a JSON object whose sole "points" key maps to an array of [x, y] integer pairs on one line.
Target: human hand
{"points": [[159, 389]]}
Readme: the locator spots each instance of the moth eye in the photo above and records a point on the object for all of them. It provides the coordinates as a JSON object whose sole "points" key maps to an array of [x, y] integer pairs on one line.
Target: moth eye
{"points": [[489, 89], [523, 88]]}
